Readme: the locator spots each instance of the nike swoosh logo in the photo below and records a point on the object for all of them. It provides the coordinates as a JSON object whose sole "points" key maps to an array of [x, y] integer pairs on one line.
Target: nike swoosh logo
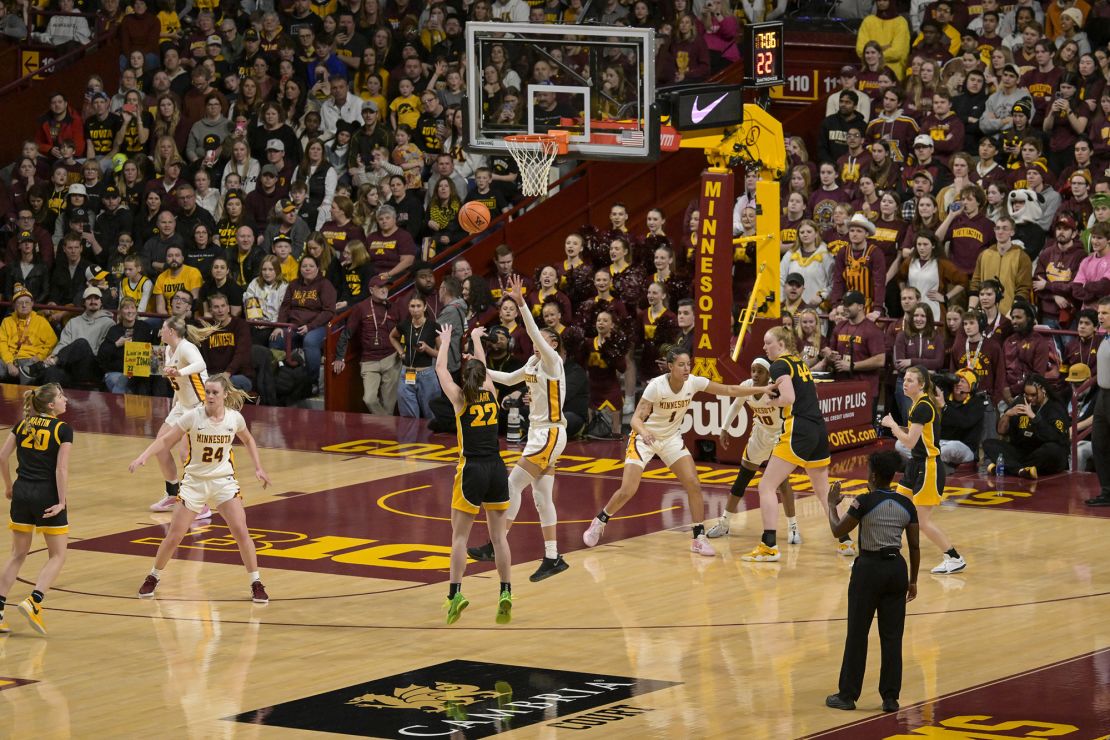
{"points": [[697, 115]]}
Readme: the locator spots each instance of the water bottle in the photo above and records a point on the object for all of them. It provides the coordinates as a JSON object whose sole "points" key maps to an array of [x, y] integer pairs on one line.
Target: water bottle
{"points": [[512, 425], [1000, 466]]}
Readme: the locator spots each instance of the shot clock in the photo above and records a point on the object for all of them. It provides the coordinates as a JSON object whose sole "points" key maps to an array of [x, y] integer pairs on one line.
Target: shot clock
{"points": [[763, 55]]}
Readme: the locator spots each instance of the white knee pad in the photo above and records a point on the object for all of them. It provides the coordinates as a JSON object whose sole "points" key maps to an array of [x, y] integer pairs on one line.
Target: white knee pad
{"points": [[519, 479], [543, 495]]}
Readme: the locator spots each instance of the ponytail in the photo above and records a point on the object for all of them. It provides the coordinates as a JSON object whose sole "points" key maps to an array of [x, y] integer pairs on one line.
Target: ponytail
{"points": [[785, 336], [36, 402], [473, 376], [194, 334], [236, 398]]}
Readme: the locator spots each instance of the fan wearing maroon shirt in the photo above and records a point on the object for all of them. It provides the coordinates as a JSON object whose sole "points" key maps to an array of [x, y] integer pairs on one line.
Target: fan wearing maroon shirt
{"points": [[1027, 352], [369, 325], [944, 126], [980, 354], [503, 259], [860, 267], [857, 348], [1042, 81], [391, 248], [827, 195], [967, 228], [1065, 120], [1083, 349], [1058, 263], [852, 165], [228, 348], [924, 161], [341, 229]]}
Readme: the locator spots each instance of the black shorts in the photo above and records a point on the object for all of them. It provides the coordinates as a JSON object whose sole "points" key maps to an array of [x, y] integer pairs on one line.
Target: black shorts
{"points": [[803, 443], [29, 500], [923, 481], [480, 482]]}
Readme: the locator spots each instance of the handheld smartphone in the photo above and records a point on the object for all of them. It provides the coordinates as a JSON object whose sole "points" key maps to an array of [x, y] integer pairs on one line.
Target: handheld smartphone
{"points": [[131, 108]]}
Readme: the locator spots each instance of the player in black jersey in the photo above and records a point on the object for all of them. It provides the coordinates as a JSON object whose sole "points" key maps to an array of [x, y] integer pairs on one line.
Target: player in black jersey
{"points": [[42, 444], [481, 480], [803, 441], [924, 476]]}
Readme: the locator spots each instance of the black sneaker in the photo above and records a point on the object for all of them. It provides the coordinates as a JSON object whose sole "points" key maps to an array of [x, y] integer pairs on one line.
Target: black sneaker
{"points": [[1100, 500], [483, 553], [890, 705], [836, 701], [549, 567]]}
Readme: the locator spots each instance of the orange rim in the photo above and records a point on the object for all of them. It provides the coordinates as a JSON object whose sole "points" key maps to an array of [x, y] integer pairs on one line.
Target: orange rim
{"points": [[560, 138]]}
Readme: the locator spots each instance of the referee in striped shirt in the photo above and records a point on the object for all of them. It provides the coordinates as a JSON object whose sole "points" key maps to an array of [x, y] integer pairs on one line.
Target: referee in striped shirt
{"points": [[879, 581]]}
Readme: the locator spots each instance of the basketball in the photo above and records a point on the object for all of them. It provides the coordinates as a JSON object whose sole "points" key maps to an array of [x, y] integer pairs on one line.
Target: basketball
{"points": [[474, 217]]}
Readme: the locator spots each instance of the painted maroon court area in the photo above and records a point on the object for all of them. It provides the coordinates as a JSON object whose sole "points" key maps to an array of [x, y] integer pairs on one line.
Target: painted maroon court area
{"points": [[1062, 700], [396, 528]]}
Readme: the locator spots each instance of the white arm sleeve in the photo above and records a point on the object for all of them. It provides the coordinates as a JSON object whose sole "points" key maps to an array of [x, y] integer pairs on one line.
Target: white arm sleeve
{"points": [[190, 355], [516, 376]]}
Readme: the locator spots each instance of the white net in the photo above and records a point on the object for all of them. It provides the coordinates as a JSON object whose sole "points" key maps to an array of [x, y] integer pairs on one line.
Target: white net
{"points": [[534, 157]]}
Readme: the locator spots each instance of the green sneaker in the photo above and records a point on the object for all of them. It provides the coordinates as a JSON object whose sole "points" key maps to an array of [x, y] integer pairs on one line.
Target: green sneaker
{"points": [[505, 608], [455, 607]]}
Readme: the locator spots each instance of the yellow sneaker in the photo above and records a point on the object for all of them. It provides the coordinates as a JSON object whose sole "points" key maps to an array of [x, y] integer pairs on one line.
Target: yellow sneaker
{"points": [[762, 554], [847, 548], [4, 628], [33, 612]]}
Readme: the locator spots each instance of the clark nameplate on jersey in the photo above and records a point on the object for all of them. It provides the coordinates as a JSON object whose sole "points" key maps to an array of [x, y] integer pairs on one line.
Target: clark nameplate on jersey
{"points": [[460, 698]]}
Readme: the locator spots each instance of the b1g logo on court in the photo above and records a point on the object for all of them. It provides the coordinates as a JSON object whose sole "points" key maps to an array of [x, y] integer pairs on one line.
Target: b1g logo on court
{"points": [[460, 698]]}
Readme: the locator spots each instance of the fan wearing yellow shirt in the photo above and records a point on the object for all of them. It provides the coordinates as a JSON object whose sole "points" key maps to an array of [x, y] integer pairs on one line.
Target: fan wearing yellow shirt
{"points": [[282, 247], [177, 276], [406, 106]]}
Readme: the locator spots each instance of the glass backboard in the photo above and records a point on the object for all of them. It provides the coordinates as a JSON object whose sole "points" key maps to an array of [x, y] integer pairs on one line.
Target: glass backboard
{"points": [[595, 82]]}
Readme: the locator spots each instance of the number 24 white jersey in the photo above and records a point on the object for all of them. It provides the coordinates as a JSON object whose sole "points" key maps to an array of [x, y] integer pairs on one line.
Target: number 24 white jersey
{"points": [[667, 406], [210, 442]]}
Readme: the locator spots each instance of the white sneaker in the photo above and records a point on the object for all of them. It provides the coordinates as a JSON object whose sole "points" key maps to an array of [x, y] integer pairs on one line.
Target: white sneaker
{"points": [[846, 548], [950, 565], [205, 513], [593, 533], [700, 545], [166, 503], [720, 529], [629, 406], [794, 537]]}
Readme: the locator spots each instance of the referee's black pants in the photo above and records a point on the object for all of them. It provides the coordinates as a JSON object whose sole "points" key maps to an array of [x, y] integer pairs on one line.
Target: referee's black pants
{"points": [[879, 584], [1100, 440]]}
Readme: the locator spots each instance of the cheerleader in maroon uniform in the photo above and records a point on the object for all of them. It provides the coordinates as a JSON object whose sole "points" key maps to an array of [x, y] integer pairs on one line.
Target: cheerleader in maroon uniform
{"points": [[575, 273], [656, 327], [547, 281], [674, 285], [604, 359]]}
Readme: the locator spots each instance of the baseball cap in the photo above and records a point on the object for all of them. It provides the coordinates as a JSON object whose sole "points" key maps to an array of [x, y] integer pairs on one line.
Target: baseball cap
{"points": [[101, 95], [215, 40], [853, 296], [96, 274], [92, 291], [211, 142], [968, 375], [848, 71], [378, 282], [276, 145], [923, 173], [923, 140], [287, 206], [26, 236], [1077, 373], [269, 170], [1012, 68], [250, 35], [1100, 200], [370, 105], [795, 278], [111, 192], [1065, 220]]}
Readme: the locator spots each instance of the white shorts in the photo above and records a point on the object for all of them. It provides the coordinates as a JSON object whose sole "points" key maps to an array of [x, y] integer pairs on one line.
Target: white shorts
{"points": [[178, 410], [544, 446], [197, 493], [640, 452], [761, 443]]}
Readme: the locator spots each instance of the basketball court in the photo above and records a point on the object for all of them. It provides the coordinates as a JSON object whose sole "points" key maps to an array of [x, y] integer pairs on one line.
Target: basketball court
{"points": [[638, 638]]}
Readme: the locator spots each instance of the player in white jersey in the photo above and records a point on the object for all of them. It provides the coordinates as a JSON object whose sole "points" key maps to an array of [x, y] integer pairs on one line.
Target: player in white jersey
{"points": [[211, 429], [766, 425], [655, 426], [547, 433], [184, 368]]}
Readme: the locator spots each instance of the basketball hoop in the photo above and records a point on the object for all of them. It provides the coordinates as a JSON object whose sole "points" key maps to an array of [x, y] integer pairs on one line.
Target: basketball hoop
{"points": [[534, 154]]}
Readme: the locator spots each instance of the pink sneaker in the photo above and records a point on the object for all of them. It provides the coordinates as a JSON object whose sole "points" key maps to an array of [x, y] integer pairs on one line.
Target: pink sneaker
{"points": [[205, 513], [593, 534], [166, 503], [701, 546]]}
